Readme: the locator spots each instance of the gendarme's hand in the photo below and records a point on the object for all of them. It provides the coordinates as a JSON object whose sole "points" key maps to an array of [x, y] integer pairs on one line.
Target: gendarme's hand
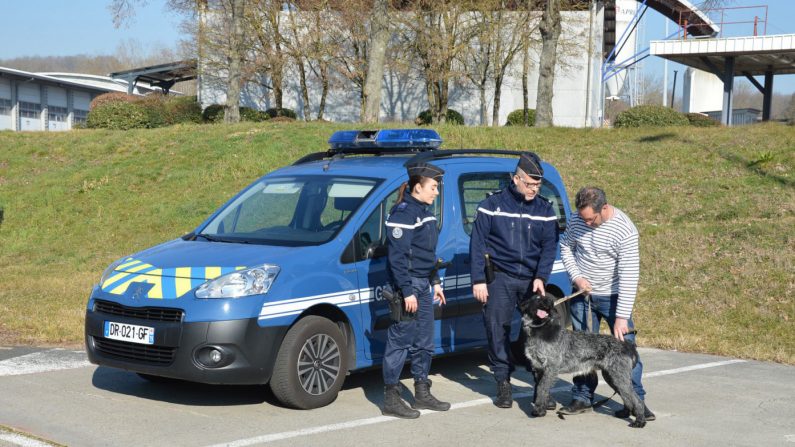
{"points": [[481, 292], [438, 295], [411, 303], [538, 287]]}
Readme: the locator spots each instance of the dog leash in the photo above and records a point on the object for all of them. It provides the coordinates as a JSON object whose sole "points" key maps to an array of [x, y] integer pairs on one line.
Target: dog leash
{"points": [[566, 298]]}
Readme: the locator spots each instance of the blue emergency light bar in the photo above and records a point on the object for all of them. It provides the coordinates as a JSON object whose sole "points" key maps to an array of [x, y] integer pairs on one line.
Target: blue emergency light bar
{"points": [[397, 139]]}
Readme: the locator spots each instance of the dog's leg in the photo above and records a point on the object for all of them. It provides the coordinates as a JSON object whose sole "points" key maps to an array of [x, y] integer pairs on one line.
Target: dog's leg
{"points": [[544, 380], [622, 383]]}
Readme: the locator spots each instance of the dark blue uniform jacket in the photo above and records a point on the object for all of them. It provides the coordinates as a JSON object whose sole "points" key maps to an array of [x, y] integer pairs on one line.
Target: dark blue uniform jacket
{"points": [[412, 233], [520, 237]]}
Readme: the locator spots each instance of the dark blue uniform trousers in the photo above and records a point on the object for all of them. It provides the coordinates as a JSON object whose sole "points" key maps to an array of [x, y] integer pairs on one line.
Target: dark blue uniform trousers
{"points": [[411, 338], [504, 293]]}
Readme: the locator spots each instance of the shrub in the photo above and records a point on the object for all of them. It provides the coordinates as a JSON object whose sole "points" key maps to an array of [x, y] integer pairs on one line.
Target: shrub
{"points": [[249, 114], [453, 117], [214, 113], [516, 118], [183, 109], [699, 120], [288, 113], [111, 97], [122, 116], [650, 116], [155, 105]]}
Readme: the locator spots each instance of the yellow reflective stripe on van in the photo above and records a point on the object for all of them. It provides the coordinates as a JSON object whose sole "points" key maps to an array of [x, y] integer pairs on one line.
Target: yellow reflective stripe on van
{"points": [[182, 281]]}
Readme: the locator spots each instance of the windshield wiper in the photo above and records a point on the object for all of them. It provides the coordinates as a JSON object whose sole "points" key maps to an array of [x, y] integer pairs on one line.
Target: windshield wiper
{"points": [[211, 238]]}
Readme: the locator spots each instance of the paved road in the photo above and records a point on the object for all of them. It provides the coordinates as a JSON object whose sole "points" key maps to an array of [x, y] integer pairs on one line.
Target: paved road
{"points": [[55, 397]]}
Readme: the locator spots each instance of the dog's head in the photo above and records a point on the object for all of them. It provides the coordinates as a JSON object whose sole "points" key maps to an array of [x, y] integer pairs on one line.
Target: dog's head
{"points": [[537, 310]]}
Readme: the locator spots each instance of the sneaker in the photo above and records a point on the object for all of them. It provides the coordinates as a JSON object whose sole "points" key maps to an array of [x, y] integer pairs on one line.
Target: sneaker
{"points": [[624, 413], [576, 406]]}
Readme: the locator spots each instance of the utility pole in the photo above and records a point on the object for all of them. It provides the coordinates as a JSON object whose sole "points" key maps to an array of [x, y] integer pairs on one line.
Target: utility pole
{"points": [[673, 90]]}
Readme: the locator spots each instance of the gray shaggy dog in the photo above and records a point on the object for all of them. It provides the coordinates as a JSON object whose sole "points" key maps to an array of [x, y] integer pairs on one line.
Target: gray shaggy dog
{"points": [[554, 350]]}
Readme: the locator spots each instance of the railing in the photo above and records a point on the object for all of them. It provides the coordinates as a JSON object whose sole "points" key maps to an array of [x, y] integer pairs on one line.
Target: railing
{"points": [[735, 16]]}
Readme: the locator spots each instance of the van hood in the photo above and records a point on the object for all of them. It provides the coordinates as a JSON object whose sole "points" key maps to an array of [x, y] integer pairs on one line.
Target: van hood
{"points": [[172, 269]]}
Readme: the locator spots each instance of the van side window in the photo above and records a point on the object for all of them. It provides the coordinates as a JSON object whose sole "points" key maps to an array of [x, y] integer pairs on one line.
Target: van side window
{"points": [[474, 188], [549, 192], [370, 240]]}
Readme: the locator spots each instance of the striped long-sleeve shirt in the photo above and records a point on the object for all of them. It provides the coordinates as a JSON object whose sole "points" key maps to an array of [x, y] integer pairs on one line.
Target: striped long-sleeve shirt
{"points": [[607, 256]]}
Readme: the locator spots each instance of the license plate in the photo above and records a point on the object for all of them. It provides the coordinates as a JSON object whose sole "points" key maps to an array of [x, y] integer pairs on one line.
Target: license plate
{"points": [[130, 332]]}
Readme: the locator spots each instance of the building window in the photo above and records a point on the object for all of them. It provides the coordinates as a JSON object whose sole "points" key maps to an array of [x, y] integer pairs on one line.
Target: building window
{"points": [[57, 114], [29, 110], [79, 116], [5, 106]]}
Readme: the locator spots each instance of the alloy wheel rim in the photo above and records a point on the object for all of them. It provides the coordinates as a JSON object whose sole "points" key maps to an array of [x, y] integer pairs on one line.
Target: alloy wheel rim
{"points": [[318, 364]]}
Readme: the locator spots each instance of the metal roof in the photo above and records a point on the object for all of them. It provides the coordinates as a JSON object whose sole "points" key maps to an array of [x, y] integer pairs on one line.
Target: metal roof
{"points": [[163, 75], [753, 55], [55, 80]]}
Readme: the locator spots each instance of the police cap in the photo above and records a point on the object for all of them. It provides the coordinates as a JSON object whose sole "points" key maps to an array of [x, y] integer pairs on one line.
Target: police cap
{"points": [[425, 170], [530, 164]]}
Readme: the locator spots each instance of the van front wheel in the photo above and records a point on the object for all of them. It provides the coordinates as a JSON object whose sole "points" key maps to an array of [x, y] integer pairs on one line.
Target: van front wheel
{"points": [[311, 364]]}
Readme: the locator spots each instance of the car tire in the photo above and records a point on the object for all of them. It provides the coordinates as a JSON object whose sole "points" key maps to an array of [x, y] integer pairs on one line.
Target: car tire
{"points": [[311, 364]]}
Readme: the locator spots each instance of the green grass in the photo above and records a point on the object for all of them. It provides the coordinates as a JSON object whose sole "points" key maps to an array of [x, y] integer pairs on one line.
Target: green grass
{"points": [[715, 209]]}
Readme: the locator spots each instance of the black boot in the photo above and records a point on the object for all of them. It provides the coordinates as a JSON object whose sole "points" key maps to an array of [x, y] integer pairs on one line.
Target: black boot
{"points": [[504, 398], [394, 405], [423, 399]]}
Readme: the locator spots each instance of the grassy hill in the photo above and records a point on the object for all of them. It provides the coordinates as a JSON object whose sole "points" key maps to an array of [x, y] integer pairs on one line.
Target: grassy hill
{"points": [[715, 209]]}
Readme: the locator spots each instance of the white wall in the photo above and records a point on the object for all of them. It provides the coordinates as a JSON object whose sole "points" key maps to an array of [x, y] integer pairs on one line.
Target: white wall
{"points": [[575, 99], [702, 92]]}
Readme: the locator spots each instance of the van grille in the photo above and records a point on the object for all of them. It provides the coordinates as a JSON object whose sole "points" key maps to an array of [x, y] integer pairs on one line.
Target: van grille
{"points": [[154, 355], [144, 313]]}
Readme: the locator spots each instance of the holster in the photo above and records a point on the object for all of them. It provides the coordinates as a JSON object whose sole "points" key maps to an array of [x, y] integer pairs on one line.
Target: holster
{"points": [[397, 305], [489, 270]]}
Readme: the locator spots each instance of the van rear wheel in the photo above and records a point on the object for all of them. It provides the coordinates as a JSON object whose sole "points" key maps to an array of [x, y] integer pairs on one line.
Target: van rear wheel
{"points": [[311, 364]]}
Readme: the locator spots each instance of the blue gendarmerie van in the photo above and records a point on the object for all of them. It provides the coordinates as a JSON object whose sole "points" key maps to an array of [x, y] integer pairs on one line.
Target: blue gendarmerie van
{"points": [[282, 284]]}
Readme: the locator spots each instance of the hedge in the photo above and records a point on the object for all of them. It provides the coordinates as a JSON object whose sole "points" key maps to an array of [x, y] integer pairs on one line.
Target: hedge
{"points": [[650, 116], [111, 97], [516, 118], [120, 115], [699, 120], [453, 117], [214, 113], [287, 113]]}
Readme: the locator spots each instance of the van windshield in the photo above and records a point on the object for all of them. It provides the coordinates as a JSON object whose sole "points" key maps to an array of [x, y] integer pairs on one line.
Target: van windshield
{"points": [[290, 211]]}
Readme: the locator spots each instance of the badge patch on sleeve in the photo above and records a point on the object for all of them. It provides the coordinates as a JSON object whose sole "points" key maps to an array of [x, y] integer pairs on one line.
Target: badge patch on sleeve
{"points": [[397, 233]]}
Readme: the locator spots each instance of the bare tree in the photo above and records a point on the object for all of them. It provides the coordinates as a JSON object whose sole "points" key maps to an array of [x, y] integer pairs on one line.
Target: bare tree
{"points": [[377, 42], [476, 58], [510, 31], [550, 32], [437, 33]]}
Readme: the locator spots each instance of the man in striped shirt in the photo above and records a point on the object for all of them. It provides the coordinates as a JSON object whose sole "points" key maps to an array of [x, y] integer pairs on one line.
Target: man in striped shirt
{"points": [[600, 251]]}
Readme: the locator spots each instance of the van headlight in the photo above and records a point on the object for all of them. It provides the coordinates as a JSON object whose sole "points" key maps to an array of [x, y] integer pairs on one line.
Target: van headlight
{"points": [[253, 281]]}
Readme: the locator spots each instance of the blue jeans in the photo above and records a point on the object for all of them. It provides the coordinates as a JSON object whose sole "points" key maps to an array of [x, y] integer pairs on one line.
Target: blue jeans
{"points": [[411, 338], [602, 307]]}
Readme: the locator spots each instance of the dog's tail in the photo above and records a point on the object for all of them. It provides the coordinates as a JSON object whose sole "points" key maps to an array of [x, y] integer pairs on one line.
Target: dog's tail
{"points": [[631, 351]]}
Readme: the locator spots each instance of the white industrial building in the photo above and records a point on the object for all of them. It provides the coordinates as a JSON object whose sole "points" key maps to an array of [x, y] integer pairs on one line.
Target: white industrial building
{"points": [[50, 101]]}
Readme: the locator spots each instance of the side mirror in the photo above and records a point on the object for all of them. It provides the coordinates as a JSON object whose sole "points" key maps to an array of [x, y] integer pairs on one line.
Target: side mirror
{"points": [[376, 250]]}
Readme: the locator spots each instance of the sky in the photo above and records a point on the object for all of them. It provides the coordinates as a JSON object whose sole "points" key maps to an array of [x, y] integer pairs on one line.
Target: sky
{"points": [[71, 27], [63, 28]]}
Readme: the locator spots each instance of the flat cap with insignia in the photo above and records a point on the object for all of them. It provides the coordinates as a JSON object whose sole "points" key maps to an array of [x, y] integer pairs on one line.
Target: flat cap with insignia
{"points": [[530, 164], [425, 170]]}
